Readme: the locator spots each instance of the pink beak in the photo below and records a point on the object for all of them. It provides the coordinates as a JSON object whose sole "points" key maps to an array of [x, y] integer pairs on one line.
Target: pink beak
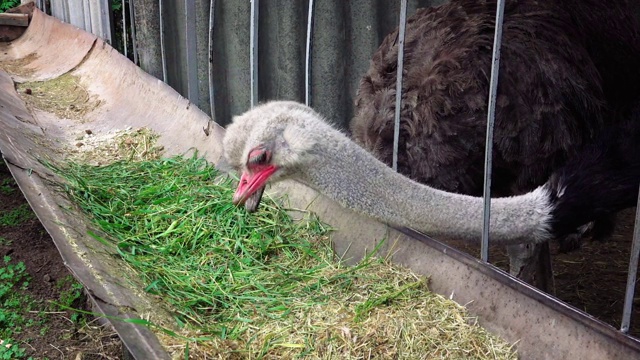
{"points": [[251, 187]]}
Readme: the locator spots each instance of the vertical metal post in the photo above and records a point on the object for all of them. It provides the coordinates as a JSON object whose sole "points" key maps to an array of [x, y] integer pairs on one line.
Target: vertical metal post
{"points": [[210, 67], [57, 9], [307, 59], [132, 21], [75, 13], [253, 52], [162, 44], [65, 12], [491, 115], [192, 51], [396, 127], [87, 14], [124, 27], [105, 21], [632, 274]]}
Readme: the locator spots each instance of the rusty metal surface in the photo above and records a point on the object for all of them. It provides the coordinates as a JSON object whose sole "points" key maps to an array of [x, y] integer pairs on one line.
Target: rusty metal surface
{"points": [[543, 327], [56, 47], [556, 321]]}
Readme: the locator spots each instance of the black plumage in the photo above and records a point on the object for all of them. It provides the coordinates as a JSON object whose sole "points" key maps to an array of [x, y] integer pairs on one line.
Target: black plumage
{"points": [[569, 69], [602, 179]]}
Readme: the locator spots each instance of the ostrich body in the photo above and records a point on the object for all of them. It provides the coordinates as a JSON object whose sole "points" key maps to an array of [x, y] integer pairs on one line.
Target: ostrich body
{"points": [[556, 60], [286, 140], [549, 102]]}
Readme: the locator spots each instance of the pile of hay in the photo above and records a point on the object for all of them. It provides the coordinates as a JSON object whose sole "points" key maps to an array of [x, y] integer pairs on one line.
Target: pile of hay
{"points": [[63, 96], [126, 144], [19, 66], [261, 285]]}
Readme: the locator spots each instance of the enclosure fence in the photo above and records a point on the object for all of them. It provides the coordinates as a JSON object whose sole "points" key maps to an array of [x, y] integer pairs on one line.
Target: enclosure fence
{"points": [[226, 56]]}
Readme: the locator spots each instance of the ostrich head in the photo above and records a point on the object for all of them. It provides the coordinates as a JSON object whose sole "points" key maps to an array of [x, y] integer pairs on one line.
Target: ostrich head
{"points": [[268, 143]]}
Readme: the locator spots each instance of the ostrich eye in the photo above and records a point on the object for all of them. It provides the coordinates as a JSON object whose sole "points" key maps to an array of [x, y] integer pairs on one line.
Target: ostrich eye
{"points": [[259, 156], [258, 159]]}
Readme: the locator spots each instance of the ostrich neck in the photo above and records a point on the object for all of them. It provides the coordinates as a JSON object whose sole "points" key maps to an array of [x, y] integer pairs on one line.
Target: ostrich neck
{"points": [[357, 180]]}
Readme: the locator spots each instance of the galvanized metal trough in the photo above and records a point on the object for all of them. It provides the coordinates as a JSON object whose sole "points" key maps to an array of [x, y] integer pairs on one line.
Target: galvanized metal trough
{"points": [[544, 327]]}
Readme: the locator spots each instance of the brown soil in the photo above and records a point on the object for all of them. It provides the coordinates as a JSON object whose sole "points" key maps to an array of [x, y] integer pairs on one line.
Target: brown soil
{"points": [[65, 337], [592, 278]]}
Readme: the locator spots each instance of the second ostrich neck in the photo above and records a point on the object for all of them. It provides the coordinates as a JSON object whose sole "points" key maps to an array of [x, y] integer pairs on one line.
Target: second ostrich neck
{"points": [[356, 179]]}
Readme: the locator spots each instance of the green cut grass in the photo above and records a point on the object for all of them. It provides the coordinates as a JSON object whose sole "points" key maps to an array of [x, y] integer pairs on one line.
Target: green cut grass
{"points": [[17, 216], [261, 285]]}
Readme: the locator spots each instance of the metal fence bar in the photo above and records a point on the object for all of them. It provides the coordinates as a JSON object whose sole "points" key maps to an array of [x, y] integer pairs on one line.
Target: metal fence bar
{"points": [[87, 14], [57, 9], [105, 21], [132, 21], [163, 52], [491, 115], [396, 127], [124, 28], [192, 51], [65, 12], [632, 273], [307, 59], [253, 52], [210, 67], [76, 12]]}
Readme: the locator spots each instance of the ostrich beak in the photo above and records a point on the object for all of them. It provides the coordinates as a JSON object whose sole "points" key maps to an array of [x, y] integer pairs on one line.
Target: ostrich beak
{"points": [[253, 201], [251, 187]]}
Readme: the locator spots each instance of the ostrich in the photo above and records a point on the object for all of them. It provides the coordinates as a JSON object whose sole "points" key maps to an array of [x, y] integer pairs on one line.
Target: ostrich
{"points": [[550, 98], [282, 140]]}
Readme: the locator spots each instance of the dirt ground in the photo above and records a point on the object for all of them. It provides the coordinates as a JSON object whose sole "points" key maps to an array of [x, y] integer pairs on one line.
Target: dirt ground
{"points": [[592, 278], [63, 335]]}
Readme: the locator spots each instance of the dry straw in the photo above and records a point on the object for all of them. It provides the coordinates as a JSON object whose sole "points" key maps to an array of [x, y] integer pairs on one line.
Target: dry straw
{"points": [[63, 96]]}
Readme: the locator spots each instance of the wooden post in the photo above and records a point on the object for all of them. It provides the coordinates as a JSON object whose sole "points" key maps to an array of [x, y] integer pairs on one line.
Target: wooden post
{"points": [[14, 19]]}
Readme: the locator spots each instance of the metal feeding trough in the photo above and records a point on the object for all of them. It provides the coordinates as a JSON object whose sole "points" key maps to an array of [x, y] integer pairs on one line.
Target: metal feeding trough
{"points": [[543, 327]]}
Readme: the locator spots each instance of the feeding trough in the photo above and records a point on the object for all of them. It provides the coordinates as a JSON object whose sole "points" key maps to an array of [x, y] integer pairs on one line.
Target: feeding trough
{"points": [[118, 95]]}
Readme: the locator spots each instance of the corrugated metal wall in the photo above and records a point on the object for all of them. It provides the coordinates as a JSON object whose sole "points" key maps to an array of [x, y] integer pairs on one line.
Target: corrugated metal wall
{"points": [[91, 15], [344, 37]]}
